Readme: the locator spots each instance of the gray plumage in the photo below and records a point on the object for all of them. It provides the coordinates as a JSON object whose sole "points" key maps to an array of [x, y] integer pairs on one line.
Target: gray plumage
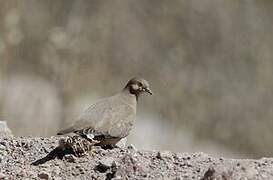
{"points": [[112, 118]]}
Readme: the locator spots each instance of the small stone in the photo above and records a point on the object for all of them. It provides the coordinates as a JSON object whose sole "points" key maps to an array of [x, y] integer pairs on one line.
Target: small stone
{"points": [[2, 147], [132, 147], [70, 158], [43, 175], [117, 178], [209, 174], [2, 176], [81, 170], [164, 154], [251, 173], [25, 144], [107, 162], [122, 143]]}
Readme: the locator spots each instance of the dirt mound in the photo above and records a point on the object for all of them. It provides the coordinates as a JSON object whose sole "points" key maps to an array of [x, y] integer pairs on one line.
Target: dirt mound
{"points": [[17, 154]]}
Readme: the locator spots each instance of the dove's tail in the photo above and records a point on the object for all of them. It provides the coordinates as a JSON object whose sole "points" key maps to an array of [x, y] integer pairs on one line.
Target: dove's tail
{"points": [[58, 152]]}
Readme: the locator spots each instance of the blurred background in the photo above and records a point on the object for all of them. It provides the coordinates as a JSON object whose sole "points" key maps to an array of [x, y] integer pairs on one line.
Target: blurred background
{"points": [[209, 63]]}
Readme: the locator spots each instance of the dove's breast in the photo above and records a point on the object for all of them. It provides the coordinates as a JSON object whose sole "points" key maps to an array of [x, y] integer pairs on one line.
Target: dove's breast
{"points": [[121, 121]]}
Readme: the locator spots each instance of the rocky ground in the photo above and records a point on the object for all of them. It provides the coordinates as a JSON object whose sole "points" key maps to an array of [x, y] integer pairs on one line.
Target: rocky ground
{"points": [[17, 154]]}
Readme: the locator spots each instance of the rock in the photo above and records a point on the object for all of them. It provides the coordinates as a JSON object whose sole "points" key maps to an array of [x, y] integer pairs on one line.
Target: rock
{"points": [[132, 147], [164, 154], [2, 176], [105, 164], [4, 129], [2, 147], [251, 173], [209, 174], [70, 158], [43, 175], [122, 143]]}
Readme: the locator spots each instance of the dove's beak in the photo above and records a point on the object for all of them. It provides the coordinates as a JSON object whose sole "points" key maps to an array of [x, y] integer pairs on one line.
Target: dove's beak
{"points": [[148, 90]]}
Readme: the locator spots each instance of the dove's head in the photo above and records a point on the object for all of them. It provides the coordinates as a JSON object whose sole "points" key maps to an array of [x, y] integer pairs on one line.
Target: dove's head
{"points": [[137, 86]]}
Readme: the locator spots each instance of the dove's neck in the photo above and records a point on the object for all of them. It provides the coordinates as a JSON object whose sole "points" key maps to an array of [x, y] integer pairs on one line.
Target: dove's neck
{"points": [[126, 91], [130, 99]]}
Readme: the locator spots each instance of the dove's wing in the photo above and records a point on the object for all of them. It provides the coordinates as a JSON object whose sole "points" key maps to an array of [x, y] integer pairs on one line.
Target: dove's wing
{"points": [[111, 116]]}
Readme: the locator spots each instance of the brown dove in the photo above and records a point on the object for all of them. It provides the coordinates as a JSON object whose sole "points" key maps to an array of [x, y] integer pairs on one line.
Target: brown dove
{"points": [[110, 119]]}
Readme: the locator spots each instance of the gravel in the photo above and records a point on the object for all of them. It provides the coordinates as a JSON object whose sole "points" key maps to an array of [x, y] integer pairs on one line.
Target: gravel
{"points": [[17, 154]]}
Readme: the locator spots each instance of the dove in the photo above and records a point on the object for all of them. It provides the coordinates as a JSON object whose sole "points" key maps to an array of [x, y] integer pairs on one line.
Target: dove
{"points": [[110, 119]]}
